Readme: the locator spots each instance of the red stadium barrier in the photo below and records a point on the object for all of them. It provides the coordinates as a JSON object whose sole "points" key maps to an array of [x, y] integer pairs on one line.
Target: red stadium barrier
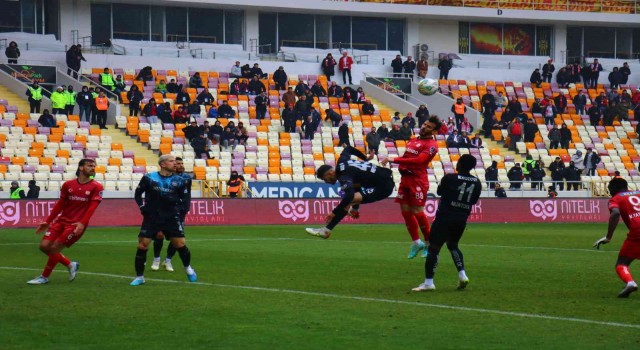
{"points": [[124, 212]]}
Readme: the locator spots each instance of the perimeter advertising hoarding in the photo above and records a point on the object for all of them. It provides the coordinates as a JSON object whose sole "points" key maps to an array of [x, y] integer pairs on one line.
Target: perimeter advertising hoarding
{"points": [[44, 75]]}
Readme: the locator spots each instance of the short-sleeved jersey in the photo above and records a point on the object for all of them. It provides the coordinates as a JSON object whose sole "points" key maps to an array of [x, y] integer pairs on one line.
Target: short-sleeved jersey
{"points": [[164, 196], [458, 193], [415, 148], [629, 205], [76, 198]]}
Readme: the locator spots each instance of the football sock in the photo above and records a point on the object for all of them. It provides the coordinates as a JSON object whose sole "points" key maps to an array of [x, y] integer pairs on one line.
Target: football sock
{"points": [[431, 263], [157, 247], [418, 241], [412, 225], [171, 251], [141, 259], [64, 261], [457, 257], [462, 275], [185, 255], [622, 270], [428, 281], [51, 264], [423, 222], [336, 219]]}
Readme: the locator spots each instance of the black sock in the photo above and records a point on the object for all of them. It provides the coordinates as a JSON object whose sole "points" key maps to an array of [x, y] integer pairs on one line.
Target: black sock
{"points": [[457, 257], [171, 251], [185, 255], [141, 259], [431, 263], [336, 219], [157, 247]]}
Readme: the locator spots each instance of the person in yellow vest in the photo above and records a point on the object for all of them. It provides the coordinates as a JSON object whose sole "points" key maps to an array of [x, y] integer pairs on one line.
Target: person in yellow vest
{"points": [[59, 101], [16, 191], [35, 97], [234, 185], [102, 106], [71, 100], [459, 109], [106, 80], [527, 167]]}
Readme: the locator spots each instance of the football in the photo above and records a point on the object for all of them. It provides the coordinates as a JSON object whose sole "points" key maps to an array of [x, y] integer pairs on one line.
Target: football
{"points": [[428, 86]]}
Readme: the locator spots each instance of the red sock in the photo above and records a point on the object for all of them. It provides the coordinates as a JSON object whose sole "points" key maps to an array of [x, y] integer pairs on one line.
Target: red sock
{"points": [[423, 222], [51, 264], [64, 261], [623, 273], [412, 225]]}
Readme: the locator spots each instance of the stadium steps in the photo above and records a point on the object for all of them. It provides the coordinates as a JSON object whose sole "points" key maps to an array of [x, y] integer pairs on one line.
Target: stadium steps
{"points": [[16, 100], [131, 144]]}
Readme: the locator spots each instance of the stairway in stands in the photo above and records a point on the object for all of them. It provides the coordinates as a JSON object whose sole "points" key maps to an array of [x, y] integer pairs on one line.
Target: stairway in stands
{"points": [[15, 100]]}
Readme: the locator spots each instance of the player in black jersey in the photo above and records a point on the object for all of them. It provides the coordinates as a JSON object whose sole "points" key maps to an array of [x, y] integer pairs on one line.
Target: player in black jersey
{"points": [[360, 181], [458, 193]]}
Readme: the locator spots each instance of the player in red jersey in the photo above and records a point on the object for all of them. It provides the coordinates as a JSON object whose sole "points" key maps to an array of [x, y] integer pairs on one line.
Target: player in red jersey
{"points": [[625, 204], [69, 218], [414, 183]]}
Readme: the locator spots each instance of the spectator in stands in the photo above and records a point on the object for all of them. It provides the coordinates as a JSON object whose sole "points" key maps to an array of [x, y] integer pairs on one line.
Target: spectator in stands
{"points": [[145, 74], [360, 96], [578, 160], [373, 141], [194, 109], [303, 108], [243, 88], [34, 93], [612, 95], [368, 109], [554, 137], [458, 109], [225, 111], [579, 102], [615, 78], [527, 166], [15, 191], [625, 72], [551, 193], [280, 78], [501, 100], [423, 67], [550, 113], [563, 78], [12, 52], [499, 191], [491, 175], [489, 123], [576, 72], [150, 111], [261, 102], [85, 101], [344, 65], [445, 66], [192, 131], [536, 77], [409, 67], [396, 120], [464, 141], [46, 120], [466, 126], [102, 106], [74, 60], [515, 133], [565, 136], [234, 88], [536, 107], [514, 107], [183, 96], [591, 161], [488, 102], [234, 185], [165, 113], [557, 173], [106, 80], [515, 177], [572, 175], [328, 66], [537, 174], [309, 128], [180, 115], [289, 97], [288, 117], [172, 87], [601, 101], [609, 114], [383, 131], [59, 101], [333, 116], [119, 86], [405, 132], [476, 142], [453, 140], [71, 100], [348, 95], [451, 125], [334, 90], [34, 190], [236, 71], [530, 130], [595, 68], [394, 134], [625, 99], [256, 87], [422, 114], [318, 90], [301, 87], [215, 132], [228, 137], [343, 134], [196, 81], [200, 145], [257, 71], [205, 98], [242, 134], [547, 71], [246, 71], [396, 66], [135, 97], [161, 88]]}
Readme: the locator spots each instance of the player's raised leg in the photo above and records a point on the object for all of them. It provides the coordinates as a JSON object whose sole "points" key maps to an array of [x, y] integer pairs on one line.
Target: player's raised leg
{"points": [[622, 268]]}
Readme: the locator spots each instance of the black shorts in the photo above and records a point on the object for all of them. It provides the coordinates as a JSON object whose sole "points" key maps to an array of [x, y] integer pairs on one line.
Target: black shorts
{"points": [[171, 228], [378, 193], [447, 230]]}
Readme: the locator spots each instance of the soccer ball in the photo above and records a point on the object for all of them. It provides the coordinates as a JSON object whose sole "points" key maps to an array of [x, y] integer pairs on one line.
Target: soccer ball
{"points": [[428, 86]]}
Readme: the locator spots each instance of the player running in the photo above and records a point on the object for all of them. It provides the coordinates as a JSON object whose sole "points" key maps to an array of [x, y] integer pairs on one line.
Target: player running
{"points": [[624, 203], [414, 183], [361, 182], [165, 204], [69, 218], [458, 193], [158, 241]]}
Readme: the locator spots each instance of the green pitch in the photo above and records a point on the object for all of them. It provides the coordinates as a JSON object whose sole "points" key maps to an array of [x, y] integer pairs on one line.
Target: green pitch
{"points": [[273, 287]]}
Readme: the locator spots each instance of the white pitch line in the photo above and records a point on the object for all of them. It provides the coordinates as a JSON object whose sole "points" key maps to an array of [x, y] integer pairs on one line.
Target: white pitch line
{"points": [[370, 299]]}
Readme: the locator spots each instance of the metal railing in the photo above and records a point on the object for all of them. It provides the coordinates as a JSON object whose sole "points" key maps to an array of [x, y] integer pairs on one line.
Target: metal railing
{"points": [[589, 188]]}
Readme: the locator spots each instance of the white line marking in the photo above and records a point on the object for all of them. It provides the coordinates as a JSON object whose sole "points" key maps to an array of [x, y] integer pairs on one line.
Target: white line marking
{"points": [[376, 300]]}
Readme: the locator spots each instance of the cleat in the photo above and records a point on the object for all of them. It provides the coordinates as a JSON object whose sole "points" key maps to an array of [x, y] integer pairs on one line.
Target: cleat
{"points": [[354, 214], [423, 287], [167, 266], [322, 232], [628, 289], [462, 283], [138, 281], [156, 265], [415, 249], [73, 270], [425, 252], [39, 280], [192, 277]]}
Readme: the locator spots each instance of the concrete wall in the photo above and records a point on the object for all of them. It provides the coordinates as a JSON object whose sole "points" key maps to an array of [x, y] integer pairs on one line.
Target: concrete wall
{"points": [[74, 15], [440, 35]]}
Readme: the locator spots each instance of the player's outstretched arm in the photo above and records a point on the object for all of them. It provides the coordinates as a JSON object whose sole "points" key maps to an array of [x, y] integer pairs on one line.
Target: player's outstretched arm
{"points": [[614, 218]]}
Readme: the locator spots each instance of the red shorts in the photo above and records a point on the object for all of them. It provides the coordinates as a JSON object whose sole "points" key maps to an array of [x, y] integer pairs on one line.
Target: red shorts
{"points": [[412, 191], [630, 249], [62, 233]]}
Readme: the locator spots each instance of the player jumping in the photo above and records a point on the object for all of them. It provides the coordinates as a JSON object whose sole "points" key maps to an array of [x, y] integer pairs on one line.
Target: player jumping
{"points": [[361, 182], [624, 203], [414, 183], [165, 204], [69, 218], [458, 193]]}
